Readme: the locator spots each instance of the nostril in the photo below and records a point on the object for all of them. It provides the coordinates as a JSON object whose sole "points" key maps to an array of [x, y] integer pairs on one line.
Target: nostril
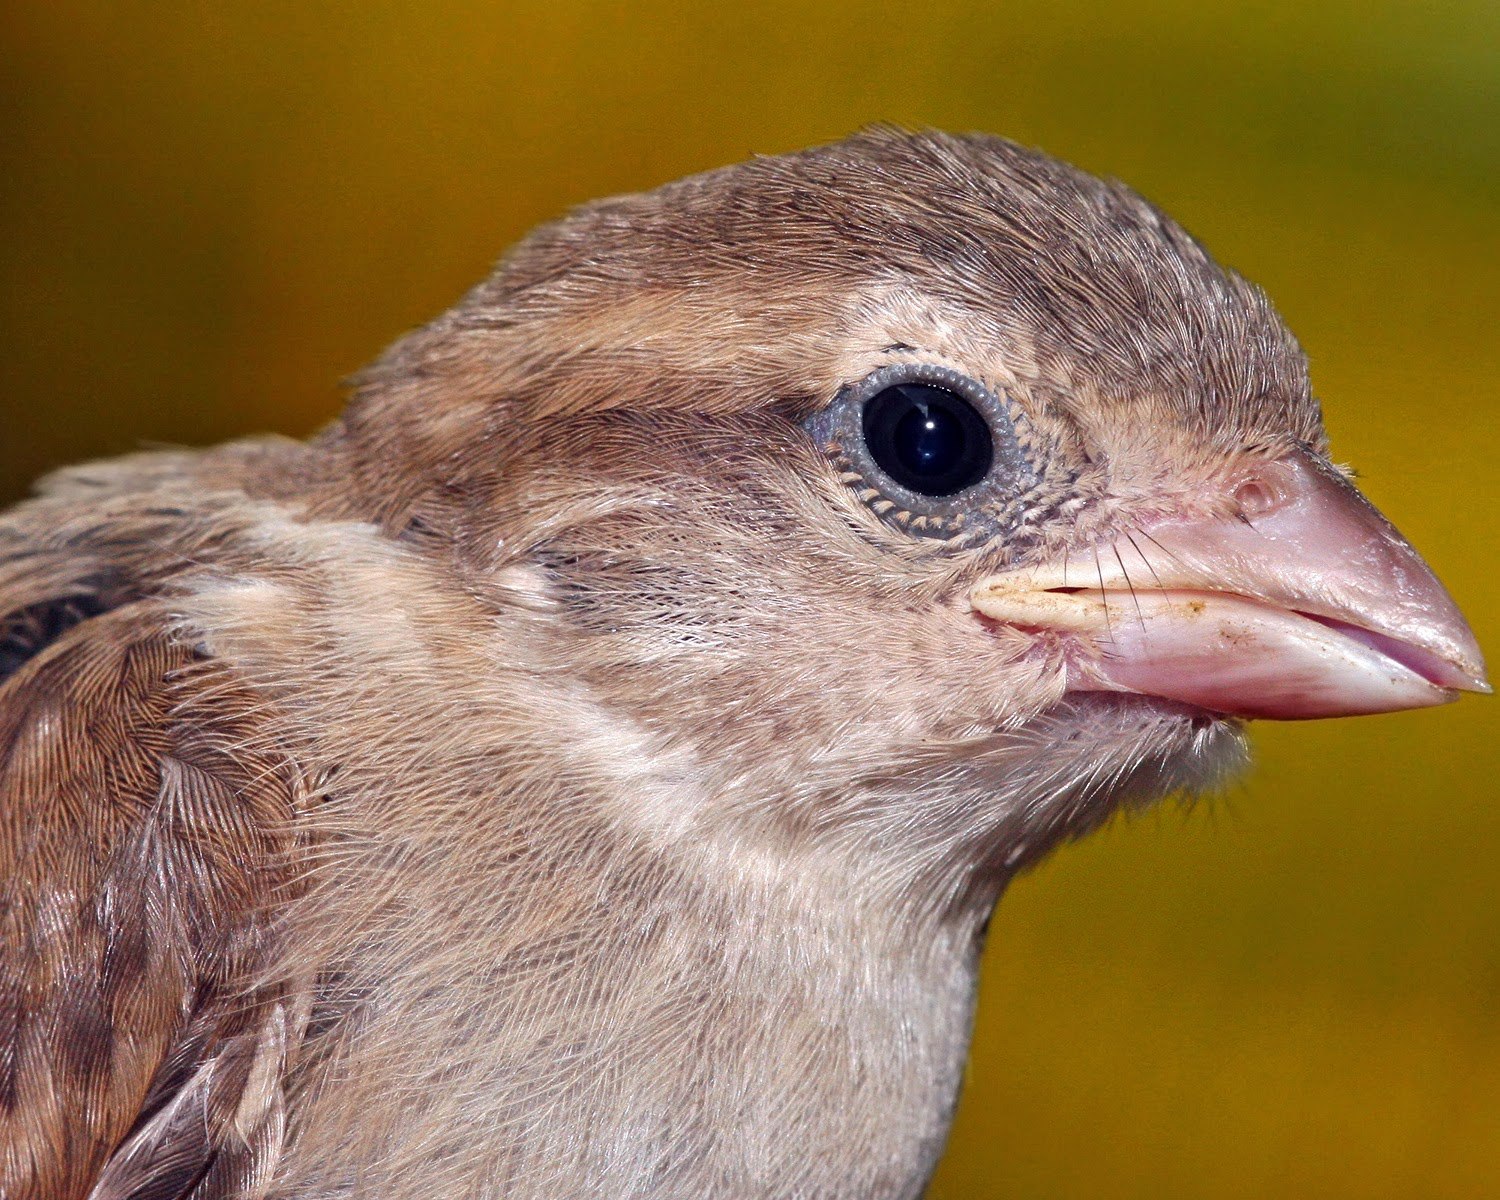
{"points": [[1255, 496]]}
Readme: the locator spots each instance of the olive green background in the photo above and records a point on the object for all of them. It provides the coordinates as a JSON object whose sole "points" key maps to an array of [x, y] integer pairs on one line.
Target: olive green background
{"points": [[211, 212]]}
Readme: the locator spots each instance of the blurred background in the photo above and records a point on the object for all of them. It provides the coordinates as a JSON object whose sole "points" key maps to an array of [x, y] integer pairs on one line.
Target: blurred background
{"points": [[211, 212]]}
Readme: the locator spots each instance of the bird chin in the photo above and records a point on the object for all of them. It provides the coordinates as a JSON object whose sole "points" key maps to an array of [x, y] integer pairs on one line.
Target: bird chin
{"points": [[1145, 707], [1195, 749], [1068, 770], [1126, 751]]}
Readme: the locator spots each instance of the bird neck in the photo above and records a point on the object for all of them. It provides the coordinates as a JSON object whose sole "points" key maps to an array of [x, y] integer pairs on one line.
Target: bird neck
{"points": [[593, 1018], [541, 973]]}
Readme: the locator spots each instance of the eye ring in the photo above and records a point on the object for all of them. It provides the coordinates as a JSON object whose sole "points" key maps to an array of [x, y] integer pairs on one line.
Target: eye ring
{"points": [[955, 464]]}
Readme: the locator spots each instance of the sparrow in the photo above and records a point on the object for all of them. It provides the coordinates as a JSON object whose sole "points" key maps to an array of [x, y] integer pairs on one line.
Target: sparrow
{"points": [[588, 768]]}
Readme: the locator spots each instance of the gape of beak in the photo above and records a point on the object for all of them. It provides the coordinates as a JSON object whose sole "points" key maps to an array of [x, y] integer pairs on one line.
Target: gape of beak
{"points": [[1307, 604]]}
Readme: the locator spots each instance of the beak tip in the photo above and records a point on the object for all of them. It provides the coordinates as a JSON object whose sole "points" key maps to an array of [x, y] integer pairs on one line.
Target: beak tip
{"points": [[1468, 671]]}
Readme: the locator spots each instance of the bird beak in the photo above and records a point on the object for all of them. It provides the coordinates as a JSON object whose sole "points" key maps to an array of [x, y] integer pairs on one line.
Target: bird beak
{"points": [[1306, 604]]}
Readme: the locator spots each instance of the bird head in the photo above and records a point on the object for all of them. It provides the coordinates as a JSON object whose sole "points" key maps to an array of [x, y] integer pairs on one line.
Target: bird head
{"points": [[917, 496]]}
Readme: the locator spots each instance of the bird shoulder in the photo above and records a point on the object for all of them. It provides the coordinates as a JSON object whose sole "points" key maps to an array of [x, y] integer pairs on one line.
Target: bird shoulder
{"points": [[147, 839]]}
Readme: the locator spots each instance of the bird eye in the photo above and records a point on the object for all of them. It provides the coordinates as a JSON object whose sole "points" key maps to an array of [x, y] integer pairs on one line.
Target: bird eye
{"points": [[927, 438], [927, 447]]}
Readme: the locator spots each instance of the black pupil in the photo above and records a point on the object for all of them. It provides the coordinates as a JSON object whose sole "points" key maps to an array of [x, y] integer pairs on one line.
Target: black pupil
{"points": [[928, 439]]}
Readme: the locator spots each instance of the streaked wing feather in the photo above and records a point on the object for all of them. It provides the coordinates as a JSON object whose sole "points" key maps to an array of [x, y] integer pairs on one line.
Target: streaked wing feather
{"points": [[146, 844]]}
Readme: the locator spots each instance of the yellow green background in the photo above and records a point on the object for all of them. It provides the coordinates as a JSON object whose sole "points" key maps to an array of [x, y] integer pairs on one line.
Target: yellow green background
{"points": [[210, 212]]}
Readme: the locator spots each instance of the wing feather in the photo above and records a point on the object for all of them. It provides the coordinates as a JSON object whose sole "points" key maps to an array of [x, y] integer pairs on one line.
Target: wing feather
{"points": [[146, 848]]}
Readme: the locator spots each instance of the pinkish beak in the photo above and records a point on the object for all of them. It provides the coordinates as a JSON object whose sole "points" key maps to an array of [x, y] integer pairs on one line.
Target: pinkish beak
{"points": [[1314, 606]]}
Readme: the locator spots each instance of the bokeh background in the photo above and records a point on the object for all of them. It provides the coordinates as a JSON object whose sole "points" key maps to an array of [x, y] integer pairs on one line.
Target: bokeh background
{"points": [[211, 212]]}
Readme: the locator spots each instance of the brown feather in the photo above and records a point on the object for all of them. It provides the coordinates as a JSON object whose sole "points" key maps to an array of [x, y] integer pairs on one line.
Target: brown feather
{"points": [[141, 864], [555, 780]]}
